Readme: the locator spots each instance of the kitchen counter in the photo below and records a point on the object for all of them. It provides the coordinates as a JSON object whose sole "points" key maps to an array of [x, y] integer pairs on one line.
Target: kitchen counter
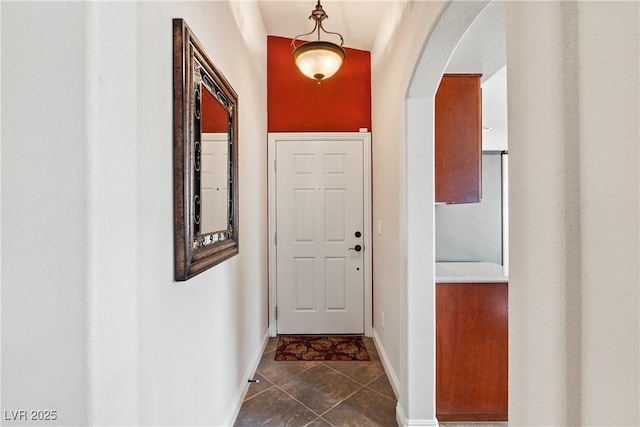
{"points": [[470, 272]]}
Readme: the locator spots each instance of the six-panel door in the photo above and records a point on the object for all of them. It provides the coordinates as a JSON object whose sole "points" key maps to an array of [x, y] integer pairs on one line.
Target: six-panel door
{"points": [[320, 271]]}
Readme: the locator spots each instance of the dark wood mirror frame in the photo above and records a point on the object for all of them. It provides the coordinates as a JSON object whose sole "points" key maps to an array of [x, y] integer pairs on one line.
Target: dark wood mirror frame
{"points": [[192, 71]]}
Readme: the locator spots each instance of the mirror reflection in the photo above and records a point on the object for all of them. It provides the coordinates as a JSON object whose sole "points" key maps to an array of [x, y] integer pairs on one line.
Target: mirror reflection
{"points": [[214, 173]]}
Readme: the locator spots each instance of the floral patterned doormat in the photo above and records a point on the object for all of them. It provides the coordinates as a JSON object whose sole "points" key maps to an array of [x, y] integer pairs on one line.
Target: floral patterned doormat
{"points": [[321, 348]]}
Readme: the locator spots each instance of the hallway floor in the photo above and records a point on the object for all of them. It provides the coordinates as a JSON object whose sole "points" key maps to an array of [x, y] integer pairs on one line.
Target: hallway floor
{"points": [[319, 393], [323, 394]]}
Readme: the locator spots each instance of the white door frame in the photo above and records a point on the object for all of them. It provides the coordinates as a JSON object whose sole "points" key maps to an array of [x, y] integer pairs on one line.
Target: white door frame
{"points": [[365, 137]]}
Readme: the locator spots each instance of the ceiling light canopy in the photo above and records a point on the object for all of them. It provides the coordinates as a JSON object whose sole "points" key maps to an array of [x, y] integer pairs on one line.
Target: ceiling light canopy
{"points": [[318, 60]]}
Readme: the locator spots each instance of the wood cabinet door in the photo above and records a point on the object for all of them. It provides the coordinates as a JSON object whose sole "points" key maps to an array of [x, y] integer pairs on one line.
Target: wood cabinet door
{"points": [[472, 351], [458, 139]]}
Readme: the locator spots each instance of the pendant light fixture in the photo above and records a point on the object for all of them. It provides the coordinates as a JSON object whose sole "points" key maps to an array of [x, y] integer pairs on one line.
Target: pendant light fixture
{"points": [[318, 60]]}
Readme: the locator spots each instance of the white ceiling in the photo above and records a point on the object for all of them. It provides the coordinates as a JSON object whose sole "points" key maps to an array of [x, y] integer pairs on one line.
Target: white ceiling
{"points": [[357, 20], [483, 47], [360, 22], [481, 50]]}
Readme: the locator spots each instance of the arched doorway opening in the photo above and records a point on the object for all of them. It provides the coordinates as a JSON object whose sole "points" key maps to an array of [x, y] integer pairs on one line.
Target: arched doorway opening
{"points": [[417, 367]]}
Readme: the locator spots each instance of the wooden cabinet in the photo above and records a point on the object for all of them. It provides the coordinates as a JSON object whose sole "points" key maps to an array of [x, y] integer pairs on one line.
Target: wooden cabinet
{"points": [[458, 139], [471, 351]]}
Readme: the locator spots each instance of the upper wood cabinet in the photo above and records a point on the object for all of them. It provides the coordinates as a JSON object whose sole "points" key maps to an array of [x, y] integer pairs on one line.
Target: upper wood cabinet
{"points": [[458, 139]]}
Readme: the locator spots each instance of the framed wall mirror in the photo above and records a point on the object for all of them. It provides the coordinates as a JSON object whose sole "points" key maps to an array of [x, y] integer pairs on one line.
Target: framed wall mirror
{"points": [[205, 128]]}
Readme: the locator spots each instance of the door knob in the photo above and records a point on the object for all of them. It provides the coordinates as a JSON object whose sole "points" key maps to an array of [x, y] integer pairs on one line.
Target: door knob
{"points": [[356, 248]]}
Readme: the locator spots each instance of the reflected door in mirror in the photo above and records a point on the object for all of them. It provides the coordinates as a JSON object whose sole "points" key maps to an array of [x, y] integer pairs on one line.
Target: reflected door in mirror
{"points": [[215, 174], [214, 183]]}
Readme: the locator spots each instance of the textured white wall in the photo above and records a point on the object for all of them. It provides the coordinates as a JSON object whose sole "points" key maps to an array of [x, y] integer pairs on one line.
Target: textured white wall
{"points": [[482, 49], [93, 324], [44, 210], [1, 405], [473, 231], [574, 317], [609, 45], [544, 217], [390, 79], [574, 311], [405, 77], [112, 229], [494, 111], [573, 142], [198, 339], [417, 373]]}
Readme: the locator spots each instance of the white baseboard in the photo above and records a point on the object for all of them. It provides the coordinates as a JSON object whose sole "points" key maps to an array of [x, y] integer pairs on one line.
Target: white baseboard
{"points": [[403, 421], [395, 385], [391, 374], [242, 391]]}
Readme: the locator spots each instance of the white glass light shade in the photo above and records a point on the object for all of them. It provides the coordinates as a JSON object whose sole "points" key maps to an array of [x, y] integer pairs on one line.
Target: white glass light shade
{"points": [[318, 60]]}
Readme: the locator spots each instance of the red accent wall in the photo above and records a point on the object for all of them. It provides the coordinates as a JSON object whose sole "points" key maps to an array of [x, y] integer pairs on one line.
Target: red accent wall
{"points": [[214, 117], [296, 103]]}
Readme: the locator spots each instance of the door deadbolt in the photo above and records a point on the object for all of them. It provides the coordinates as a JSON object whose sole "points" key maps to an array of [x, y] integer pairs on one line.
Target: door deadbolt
{"points": [[358, 234]]}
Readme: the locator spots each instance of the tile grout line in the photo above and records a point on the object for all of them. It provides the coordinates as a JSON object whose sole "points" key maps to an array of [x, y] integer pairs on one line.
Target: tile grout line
{"points": [[357, 391], [380, 394], [362, 385], [321, 416], [352, 379], [344, 375], [259, 393], [267, 379], [272, 382], [290, 376], [342, 401], [358, 383], [291, 396], [384, 374]]}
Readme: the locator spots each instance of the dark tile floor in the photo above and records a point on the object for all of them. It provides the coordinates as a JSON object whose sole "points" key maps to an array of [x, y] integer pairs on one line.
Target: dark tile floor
{"points": [[319, 393]]}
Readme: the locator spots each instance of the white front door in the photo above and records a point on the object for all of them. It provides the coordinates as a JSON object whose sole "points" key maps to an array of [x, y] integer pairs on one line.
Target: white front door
{"points": [[320, 244]]}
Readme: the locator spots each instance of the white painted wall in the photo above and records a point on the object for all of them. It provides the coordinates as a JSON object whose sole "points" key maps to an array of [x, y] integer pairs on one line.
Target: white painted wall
{"points": [[473, 231], [609, 45], [544, 218], [482, 49], [93, 324], [405, 76], [574, 307], [1, 406], [112, 228], [494, 112], [390, 76], [418, 373], [44, 209], [573, 93], [198, 340], [574, 317]]}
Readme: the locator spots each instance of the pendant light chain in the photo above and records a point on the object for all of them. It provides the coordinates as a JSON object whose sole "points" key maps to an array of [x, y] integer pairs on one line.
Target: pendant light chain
{"points": [[318, 59]]}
